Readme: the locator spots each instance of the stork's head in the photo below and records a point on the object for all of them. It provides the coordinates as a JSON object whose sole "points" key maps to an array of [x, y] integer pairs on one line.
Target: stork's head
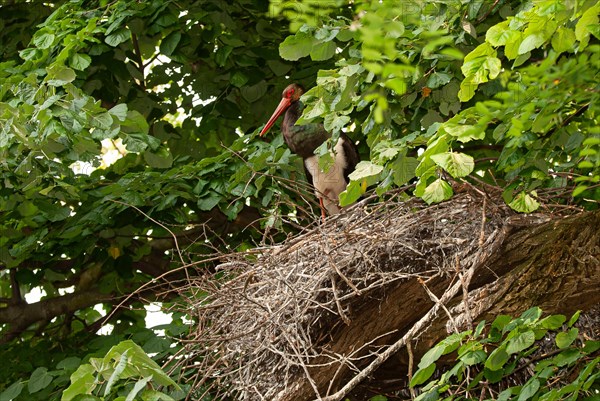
{"points": [[290, 95]]}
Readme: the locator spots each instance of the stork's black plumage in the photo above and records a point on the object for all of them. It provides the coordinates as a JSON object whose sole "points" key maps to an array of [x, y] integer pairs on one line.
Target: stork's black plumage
{"points": [[304, 139]]}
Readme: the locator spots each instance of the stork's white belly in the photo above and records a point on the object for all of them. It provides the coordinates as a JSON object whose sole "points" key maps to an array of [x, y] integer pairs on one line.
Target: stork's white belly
{"points": [[328, 185]]}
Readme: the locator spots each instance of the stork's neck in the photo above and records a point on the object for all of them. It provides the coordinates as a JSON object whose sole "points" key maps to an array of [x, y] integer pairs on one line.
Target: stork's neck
{"points": [[301, 139]]}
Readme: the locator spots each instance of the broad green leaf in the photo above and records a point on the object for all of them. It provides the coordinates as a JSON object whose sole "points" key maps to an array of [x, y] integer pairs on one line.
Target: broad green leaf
{"points": [[44, 40], [524, 203], [169, 44], [120, 36], [563, 40], [589, 17], [12, 392], [498, 34], [39, 380], [30, 53], [438, 79], [456, 164], [139, 385], [296, 46], [422, 375], [208, 202], [322, 51], [314, 110], [404, 169], [102, 120], [398, 85], [473, 357], [119, 111], [431, 356], [532, 314], [80, 61], [531, 42], [497, 359], [334, 122], [520, 342], [566, 338], [161, 158], [553, 322], [353, 191], [222, 55], [437, 191], [529, 389], [82, 382], [59, 75], [365, 169]]}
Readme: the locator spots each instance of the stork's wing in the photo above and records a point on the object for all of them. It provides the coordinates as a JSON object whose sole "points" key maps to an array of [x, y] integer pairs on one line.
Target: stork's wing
{"points": [[351, 154]]}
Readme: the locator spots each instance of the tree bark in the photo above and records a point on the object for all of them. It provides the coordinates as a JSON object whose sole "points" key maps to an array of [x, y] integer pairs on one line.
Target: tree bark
{"points": [[550, 263]]}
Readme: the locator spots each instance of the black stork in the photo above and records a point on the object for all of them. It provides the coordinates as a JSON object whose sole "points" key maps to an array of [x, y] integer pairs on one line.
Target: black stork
{"points": [[304, 139]]}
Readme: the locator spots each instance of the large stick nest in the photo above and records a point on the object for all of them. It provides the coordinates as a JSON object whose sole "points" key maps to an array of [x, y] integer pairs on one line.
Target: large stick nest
{"points": [[263, 319]]}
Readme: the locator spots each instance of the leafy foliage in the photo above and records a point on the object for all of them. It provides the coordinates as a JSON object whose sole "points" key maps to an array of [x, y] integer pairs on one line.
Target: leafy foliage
{"points": [[432, 81], [491, 358], [501, 94]]}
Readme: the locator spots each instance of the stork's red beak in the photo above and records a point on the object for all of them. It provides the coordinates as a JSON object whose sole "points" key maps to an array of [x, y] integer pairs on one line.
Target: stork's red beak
{"points": [[283, 105]]}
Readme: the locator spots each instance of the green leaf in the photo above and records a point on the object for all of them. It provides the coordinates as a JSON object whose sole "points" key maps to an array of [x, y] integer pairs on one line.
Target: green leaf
{"points": [[296, 46], [524, 203], [39, 380], [82, 382], [398, 85], [12, 392], [161, 158], [565, 339], [365, 169], [404, 169], [520, 342], [31, 53], [498, 34], [59, 75], [44, 40], [102, 120], [531, 42], [563, 40], [207, 203], [116, 374], [497, 359], [574, 318], [529, 389], [322, 51], [120, 36], [464, 132], [139, 385], [169, 44], [432, 356], [422, 375], [532, 314], [437, 191], [80, 61], [553, 322], [456, 164], [589, 17], [353, 191], [119, 111], [334, 122]]}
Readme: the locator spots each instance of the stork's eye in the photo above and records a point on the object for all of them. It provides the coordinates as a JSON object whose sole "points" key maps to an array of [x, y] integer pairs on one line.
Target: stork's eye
{"points": [[289, 93]]}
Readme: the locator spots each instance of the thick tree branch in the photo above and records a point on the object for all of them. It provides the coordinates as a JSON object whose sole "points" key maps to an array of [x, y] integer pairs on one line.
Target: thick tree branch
{"points": [[20, 317]]}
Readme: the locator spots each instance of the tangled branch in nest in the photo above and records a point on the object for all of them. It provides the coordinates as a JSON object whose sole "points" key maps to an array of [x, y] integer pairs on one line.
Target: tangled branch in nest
{"points": [[266, 320]]}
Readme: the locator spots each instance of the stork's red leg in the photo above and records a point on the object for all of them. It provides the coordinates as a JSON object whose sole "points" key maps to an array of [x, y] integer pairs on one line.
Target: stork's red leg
{"points": [[322, 209]]}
